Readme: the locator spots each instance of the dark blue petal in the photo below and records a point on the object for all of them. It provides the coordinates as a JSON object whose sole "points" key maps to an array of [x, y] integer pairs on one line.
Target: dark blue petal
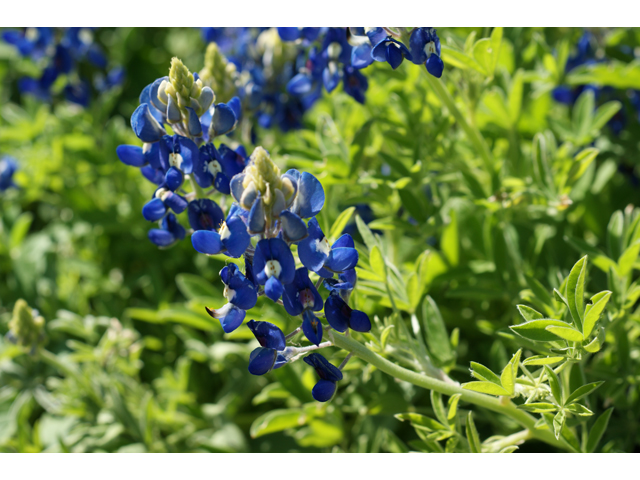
{"points": [[360, 321], [145, 126], [205, 214], [331, 77], [268, 334], [435, 65], [394, 55], [262, 360], [417, 42], [324, 369], [154, 210], [312, 327], [376, 35], [173, 111], [152, 174], [293, 228], [208, 242], [313, 251], [323, 390], [337, 313], [131, 155], [273, 289], [236, 186], [282, 253]]}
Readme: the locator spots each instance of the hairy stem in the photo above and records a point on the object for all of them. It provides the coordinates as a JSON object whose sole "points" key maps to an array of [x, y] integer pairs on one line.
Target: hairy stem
{"points": [[485, 401]]}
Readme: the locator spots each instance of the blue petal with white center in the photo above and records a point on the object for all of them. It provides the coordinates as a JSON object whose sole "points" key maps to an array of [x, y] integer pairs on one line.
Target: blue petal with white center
{"points": [[301, 294], [273, 258]]}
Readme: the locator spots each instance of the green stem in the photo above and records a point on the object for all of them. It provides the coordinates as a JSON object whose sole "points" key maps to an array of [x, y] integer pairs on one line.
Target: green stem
{"points": [[491, 403], [517, 438], [471, 131]]}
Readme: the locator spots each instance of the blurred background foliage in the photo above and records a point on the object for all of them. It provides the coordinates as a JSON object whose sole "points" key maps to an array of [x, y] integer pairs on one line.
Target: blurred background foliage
{"points": [[479, 224]]}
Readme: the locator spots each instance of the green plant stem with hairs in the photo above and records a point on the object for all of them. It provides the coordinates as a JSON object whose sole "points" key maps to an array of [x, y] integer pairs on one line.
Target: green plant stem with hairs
{"points": [[485, 401]]}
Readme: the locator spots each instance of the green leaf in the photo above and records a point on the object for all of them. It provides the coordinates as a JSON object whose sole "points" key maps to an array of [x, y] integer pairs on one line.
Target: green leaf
{"points": [[459, 59], [423, 421], [628, 259], [536, 329], [579, 410], [583, 113], [582, 162], [615, 231], [510, 373], [489, 388], [566, 333], [453, 407], [604, 113], [194, 286], [560, 297], [575, 290], [278, 420], [542, 360], [594, 312], [367, 236], [509, 449], [341, 222], [515, 97], [529, 313], [449, 242], [20, 229], [594, 346], [377, 263], [540, 407], [582, 391], [438, 407], [598, 430], [436, 332], [558, 423], [554, 383], [482, 373], [472, 435]]}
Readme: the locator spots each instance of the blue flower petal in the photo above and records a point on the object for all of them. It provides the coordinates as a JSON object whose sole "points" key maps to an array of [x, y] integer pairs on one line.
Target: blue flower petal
{"points": [[361, 56], [176, 202], [205, 214], [360, 321], [173, 178], [208, 242], [417, 42], [256, 220], [337, 313], [154, 210], [435, 65], [189, 153], [145, 126], [233, 319], [300, 84], [262, 360], [394, 55], [310, 197], [289, 34], [131, 155], [293, 227], [236, 106], [378, 53], [273, 289], [312, 327], [193, 124], [268, 334], [324, 390], [223, 120], [161, 238], [344, 241], [341, 259]]}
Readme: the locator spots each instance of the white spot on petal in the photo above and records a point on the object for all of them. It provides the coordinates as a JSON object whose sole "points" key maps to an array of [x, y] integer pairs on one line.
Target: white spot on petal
{"points": [[272, 269], [322, 246], [224, 231], [175, 160], [213, 168]]}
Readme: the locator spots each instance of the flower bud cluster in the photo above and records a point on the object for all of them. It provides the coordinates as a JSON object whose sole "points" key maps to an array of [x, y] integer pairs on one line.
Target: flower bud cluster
{"points": [[26, 327]]}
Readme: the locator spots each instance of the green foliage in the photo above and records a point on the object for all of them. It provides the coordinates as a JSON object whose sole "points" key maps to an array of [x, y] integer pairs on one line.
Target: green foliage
{"points": [[469, 198]]}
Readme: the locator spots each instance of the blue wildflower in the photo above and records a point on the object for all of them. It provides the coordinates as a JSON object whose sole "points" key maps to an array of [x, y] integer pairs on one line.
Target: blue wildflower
{"points": [[392, 51], [163, 200], [241, 295], [205, 214], [272, 343], [302, 297], [318, 256], [329, 376], [425, 48], [232, 238], [341, 317], [273, 266], [217, 167], [170, 231], [177, 155]]}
